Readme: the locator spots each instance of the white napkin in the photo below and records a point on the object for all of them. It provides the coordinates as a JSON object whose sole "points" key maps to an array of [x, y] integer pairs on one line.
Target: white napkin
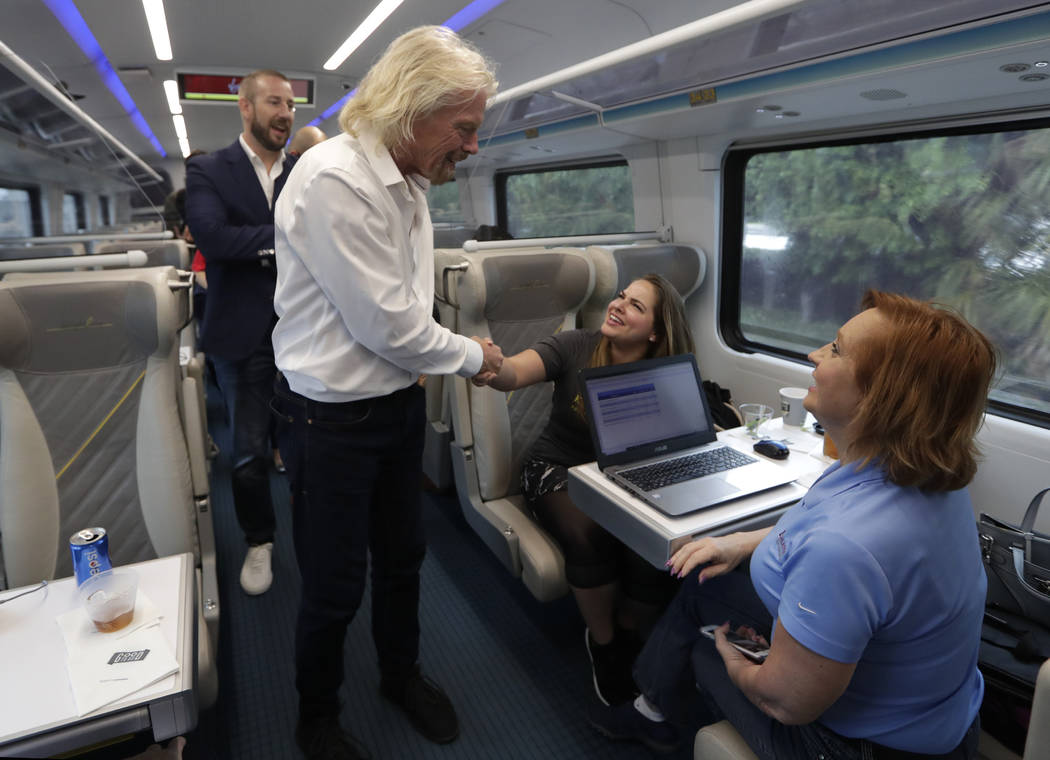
{"points": [[105, 667]]}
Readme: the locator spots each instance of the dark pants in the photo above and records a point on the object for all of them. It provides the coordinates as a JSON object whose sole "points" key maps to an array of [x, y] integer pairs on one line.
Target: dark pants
{"points": [[355, 470], [200, 301], [593, 556], [247, 386], [677, 659]]}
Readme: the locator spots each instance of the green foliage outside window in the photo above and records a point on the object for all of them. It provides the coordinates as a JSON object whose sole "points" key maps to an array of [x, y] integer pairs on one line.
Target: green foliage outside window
{"points": [[16, 213], [73, 219], [554, 203], [443, 201], [963, 220]]}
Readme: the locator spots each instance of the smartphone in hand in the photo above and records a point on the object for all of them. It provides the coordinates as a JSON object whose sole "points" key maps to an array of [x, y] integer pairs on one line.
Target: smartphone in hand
{"points": [[753, 650]]}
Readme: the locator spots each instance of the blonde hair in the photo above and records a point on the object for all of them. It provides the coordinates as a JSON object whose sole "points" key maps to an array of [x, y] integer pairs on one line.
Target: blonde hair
{"points": [[422, 71], [673, 336]]}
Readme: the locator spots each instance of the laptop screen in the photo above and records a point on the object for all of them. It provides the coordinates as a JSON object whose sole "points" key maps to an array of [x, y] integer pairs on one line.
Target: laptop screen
{"points": [[643, 406]]}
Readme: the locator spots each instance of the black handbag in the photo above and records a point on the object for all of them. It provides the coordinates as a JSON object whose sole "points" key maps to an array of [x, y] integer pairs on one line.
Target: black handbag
{"points": [[1017, 562]]}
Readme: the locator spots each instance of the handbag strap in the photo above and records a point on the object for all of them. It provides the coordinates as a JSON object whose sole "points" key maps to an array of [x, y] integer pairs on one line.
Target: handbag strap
{"points": [[1028, 523]]}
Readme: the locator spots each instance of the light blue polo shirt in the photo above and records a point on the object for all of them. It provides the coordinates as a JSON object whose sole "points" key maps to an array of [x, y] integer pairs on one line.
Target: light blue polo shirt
{"points": [[863, 570]]}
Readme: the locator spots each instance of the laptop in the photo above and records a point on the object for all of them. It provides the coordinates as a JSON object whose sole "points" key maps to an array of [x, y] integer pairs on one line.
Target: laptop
{"points": [[654, 436]]}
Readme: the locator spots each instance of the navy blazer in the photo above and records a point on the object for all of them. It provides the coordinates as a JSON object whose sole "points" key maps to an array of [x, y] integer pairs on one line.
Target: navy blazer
{"points": [[227, 213]]}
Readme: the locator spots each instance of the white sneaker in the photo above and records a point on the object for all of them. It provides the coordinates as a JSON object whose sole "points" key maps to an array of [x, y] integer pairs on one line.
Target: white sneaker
{"points": [[256, 575]]}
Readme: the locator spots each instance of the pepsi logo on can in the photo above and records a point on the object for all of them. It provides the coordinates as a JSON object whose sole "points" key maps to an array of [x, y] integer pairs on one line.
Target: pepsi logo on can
{"points": [[90, 550]]}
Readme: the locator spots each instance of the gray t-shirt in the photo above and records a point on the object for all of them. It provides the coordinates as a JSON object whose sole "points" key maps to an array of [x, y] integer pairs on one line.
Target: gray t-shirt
{"points": [[566, 439]]}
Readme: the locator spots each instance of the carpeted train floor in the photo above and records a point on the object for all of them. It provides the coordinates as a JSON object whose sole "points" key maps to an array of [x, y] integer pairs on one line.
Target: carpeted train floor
{"points": [[515, 668]]}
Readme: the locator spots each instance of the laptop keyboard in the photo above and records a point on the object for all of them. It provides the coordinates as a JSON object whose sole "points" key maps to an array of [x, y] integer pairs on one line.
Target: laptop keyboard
{"points": [[662, 474]]}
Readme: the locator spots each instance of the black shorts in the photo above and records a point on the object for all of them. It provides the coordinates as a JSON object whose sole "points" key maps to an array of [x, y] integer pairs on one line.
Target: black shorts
{"points": [[540, 477]]}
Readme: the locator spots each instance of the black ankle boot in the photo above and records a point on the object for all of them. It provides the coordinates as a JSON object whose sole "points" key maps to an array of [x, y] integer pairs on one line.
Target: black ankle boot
{"points": [[630, 643], [610, 670]]}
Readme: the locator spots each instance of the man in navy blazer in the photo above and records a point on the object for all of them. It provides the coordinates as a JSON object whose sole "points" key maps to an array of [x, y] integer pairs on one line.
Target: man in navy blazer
{"points": [[229, 208]]}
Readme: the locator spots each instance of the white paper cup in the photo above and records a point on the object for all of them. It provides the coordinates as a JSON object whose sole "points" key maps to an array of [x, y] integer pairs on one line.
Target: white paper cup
{"points": [[791, 405]]}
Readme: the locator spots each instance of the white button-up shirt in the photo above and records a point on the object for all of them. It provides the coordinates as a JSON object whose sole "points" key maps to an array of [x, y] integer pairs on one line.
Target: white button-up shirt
{"points": [[267, 178], [355, 277]]}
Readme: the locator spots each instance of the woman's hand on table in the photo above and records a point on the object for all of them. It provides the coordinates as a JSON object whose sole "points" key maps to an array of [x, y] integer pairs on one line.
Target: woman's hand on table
{"points": [[720, 554]]}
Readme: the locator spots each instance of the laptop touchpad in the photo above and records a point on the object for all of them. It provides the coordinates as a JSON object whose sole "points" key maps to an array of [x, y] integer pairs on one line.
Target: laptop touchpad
{"points": [[707, 490], [716, 487]]}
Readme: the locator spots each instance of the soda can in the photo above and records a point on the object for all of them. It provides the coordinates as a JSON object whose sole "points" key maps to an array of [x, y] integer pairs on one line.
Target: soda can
{"points": [[90, 549]]}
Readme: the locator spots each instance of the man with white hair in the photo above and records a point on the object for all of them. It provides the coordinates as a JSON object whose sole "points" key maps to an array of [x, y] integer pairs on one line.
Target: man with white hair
{"points": [[355, 290]]}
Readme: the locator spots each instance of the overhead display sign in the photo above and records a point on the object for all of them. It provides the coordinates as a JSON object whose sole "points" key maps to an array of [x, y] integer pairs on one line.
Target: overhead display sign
{"points": [[223, 88]]}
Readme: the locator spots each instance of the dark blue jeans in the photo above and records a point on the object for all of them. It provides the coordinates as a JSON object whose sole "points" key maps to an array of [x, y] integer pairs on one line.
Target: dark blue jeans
{"points": [[678, 660], [247, 386], [356, 474]]}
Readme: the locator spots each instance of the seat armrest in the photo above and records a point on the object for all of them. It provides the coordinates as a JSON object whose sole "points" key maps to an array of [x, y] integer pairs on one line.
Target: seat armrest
{"points": [[207, 652], [1037, 745], [720, 741], [196, 434]]}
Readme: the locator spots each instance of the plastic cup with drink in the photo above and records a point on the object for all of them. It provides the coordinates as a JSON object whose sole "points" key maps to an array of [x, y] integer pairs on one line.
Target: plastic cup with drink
{"points": [[755, 416], [109, 599]]}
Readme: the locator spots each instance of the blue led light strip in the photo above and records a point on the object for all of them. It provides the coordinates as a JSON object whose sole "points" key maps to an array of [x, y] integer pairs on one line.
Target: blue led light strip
{"points": [[332, 109], [467, 15], [470, 13], [68, 15]]}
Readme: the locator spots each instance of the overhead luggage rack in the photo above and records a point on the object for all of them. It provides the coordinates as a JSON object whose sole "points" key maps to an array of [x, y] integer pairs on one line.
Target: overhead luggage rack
{"points": [[752, 39]]}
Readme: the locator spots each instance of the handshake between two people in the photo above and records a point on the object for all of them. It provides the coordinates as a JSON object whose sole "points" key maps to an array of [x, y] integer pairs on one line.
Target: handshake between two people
{"points": [[491, 364]]}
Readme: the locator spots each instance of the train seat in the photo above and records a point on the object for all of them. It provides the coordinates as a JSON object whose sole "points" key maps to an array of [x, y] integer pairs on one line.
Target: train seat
{"points": [[721, 741], [616, 266], [11, 253], [1037, 744], [451, 236], [516, 298], [159, 253], [174, 253], [437, 465], [96, 422]]}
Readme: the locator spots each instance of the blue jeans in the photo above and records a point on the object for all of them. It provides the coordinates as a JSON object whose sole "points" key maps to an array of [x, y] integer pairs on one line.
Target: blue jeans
{"points": [[356, 474], [247, 385], [677, 659]]}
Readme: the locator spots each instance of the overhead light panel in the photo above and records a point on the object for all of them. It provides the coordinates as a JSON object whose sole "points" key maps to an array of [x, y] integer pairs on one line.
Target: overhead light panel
{"points": [[171, 92], [68, 15], [158, 28], [378, 15], [467, 15], [180, 132]]}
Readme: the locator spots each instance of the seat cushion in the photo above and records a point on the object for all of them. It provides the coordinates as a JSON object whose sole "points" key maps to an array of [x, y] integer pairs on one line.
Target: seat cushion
{"points": [[720, 741]]}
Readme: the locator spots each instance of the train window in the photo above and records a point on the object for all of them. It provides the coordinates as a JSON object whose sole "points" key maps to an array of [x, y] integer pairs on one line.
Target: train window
{"points": [[19, 212], [958, 216], [73, 217], [551, 202], [104, 218], [444, 204]]}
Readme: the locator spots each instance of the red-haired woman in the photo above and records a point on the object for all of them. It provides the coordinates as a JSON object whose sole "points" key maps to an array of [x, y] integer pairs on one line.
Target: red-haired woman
{"points": [[872, 586]]}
